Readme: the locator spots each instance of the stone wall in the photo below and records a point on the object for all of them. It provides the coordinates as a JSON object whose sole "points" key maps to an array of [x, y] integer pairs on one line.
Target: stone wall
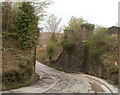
{"points": [[72, 60]]}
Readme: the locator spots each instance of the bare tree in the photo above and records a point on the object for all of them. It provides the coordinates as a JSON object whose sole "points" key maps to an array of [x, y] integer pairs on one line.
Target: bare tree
{"points": [[52, 26], [53, 23]]}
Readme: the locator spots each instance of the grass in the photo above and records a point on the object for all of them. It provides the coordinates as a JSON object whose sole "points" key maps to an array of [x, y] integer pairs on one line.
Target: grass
{"points": [[57, 68]]}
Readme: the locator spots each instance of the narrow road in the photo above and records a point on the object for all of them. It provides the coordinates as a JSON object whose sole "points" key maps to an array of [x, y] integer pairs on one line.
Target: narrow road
{"points": [[53, 81]]}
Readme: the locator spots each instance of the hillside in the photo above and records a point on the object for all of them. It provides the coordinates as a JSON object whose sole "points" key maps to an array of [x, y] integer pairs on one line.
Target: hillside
{"points": [[18, 52]]}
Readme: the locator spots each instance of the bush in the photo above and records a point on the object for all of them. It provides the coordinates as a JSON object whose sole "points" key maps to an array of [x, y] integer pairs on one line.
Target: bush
{"points": [[26, 68], [97, 43], [51, 49], [15, 76], [67, 44], [67, 40], [11, 77], [113, 70]]}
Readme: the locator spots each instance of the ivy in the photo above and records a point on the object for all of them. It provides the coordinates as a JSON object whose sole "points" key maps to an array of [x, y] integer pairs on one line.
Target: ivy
{"points": [[26, 25]]}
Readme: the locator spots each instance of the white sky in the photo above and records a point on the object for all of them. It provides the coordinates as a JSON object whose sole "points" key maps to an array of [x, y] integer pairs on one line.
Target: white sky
{"points": [[101, 12]]}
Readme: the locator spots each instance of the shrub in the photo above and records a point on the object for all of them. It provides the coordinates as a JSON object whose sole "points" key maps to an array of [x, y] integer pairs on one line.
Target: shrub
{"points": [[26, 68], [72, 33], [67, 44], [10, 77], [51, 49], [113, 70], [97, 43]]}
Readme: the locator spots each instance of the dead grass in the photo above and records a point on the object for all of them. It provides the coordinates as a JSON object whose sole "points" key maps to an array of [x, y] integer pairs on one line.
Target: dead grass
{"points": [[12, 58]]}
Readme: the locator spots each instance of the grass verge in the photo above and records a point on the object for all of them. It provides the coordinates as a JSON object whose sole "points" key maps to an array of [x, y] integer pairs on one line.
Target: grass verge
{"points": [[18, 85], [57, 68]]}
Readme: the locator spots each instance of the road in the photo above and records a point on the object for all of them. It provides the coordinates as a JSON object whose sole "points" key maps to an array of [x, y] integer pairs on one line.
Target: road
{"points": [[54, 81]]}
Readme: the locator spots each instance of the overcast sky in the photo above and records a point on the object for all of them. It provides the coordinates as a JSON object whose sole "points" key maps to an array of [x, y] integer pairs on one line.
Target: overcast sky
{"points": [[101, 12]]}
